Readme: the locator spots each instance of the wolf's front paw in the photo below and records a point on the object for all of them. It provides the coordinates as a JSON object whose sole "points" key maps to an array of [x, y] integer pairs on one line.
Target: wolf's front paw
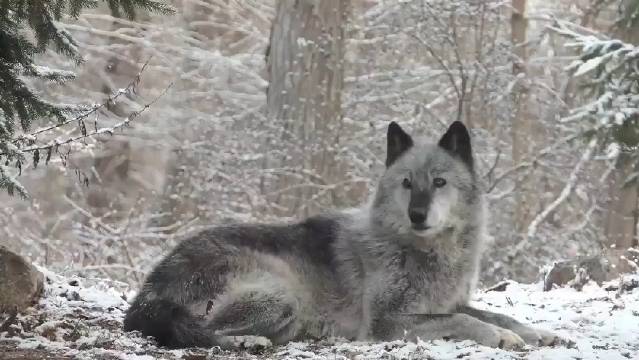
{"points": [[508, 340], [539, 337], [547, 338], [253, 344]]}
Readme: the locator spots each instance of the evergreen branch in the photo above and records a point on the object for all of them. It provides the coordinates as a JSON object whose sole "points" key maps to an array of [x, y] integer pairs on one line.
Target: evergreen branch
{"points": [[28, 28], [7, 181], [129, 7], [109, 100], [59, 76]]}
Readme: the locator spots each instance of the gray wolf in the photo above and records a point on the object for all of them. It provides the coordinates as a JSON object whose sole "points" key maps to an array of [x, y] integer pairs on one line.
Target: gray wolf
{"points": [[402, 266]]}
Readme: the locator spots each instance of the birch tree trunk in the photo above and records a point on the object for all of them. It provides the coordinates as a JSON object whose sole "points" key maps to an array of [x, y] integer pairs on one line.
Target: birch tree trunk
{"points": [[305, 66]]}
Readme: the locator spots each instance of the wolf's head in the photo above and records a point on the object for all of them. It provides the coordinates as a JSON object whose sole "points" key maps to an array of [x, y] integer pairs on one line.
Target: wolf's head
{"points": [[427, 189]]}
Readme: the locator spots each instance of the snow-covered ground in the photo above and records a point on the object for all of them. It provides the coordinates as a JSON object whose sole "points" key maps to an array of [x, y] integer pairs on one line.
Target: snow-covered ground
{"points": [[81, 318]]}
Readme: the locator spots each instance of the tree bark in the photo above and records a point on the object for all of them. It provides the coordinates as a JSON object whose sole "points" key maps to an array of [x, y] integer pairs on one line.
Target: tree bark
{"points": [[521, 122], [622, 219], [305, 65]]}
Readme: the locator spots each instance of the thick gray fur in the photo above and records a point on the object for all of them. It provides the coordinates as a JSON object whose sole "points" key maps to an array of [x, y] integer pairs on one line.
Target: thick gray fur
{"points": [[404, 265]]}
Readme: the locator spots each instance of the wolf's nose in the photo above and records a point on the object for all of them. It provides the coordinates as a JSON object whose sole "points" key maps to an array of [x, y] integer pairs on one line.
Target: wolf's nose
{"points": [[417, 216]]}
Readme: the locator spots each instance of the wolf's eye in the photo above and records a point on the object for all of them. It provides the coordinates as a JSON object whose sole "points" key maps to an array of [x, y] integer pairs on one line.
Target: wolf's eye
{"points": [[406, 184], [439, 182]]}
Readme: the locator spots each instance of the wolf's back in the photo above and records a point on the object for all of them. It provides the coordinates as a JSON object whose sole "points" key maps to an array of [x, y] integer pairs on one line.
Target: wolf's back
{"points": [[169, 323]]}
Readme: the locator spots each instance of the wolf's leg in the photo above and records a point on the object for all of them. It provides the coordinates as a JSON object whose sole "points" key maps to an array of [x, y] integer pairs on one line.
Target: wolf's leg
{"points": [[390, 318], [266, 310], [530, 335], [438, 326], [462, 326]]}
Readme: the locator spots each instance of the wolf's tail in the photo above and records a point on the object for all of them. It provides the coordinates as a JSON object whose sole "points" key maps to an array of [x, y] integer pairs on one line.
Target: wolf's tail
{"points": [[171, 324]]}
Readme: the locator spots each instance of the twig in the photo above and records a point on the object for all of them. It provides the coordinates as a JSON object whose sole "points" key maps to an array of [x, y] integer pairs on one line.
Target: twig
{"points": [[104, 130], [570, 184], [489, 173], [461, 91], [526, 164], [109, 100]]}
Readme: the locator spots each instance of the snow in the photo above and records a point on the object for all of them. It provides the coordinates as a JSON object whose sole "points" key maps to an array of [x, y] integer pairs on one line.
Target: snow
{"points": [[588, 66], [47, 72], [7, 175], [602, 324], [136, 357], [82, 318]]}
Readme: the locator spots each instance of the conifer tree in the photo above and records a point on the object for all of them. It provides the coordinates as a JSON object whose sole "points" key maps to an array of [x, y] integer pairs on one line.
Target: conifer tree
{"points": [[28, 27], [608, 70], [607, 74]]}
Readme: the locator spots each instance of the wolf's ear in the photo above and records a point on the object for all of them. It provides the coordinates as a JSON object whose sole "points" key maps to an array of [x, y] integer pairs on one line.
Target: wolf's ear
{"points": [[456, 140], [397, 143]]}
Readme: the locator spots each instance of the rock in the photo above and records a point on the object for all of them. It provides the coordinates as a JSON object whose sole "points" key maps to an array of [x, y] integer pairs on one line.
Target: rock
{"points": [[577, 272], [20, 283], [501, 286], [624, 284], [623, 261]]}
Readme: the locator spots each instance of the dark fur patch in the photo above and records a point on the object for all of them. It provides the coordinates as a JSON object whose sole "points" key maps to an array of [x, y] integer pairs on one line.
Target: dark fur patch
{"points": [[198, 268], [318, 244], [456, 141], [170, 324], [313, 238], [397, 142]]}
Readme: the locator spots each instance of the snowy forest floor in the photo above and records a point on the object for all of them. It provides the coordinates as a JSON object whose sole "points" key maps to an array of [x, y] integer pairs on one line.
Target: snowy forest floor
{"points": [[80, 318]]}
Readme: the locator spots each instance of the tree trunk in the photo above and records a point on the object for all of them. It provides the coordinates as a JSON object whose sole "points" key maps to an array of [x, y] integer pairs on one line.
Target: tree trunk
{"points": [[521, 122], [621, 220], [305, 65]]}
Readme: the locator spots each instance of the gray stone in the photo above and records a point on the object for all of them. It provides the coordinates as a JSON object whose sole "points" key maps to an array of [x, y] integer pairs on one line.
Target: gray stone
{"points": [[20, 283], [577, 272]]}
